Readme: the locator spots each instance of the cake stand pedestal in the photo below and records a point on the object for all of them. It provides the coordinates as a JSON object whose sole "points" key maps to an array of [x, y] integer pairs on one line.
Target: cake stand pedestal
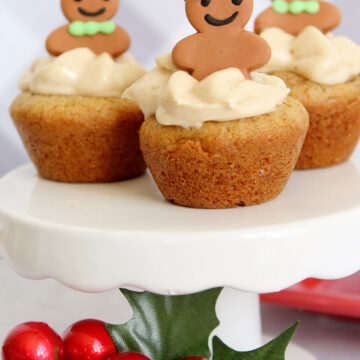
{"points": [[95, 238]]}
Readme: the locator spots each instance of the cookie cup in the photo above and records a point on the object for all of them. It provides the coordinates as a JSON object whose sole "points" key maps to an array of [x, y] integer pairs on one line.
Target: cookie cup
{"points": [[334, 112], [226, 164], [80, 139]]}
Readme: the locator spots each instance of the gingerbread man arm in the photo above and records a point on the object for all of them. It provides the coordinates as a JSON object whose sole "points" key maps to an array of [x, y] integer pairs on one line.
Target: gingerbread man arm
{"points": [[326, 19], [260, 52], [184, 53], [120, 41], [59, 41]]}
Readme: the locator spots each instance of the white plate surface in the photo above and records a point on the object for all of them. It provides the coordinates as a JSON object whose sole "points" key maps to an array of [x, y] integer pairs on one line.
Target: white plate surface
{"points": [[99, 237]]}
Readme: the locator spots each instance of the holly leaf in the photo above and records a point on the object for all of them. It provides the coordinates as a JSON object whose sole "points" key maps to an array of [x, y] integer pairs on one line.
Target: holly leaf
{"points": [[274, 350], [168, 327]]}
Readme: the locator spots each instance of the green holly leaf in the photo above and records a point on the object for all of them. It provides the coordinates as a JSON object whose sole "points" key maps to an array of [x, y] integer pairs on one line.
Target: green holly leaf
{"points": [[274, 350], [168, 327]]}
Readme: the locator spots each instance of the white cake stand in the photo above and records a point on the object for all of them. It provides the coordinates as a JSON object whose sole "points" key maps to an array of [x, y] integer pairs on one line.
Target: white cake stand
{"points": [[94, 238]]}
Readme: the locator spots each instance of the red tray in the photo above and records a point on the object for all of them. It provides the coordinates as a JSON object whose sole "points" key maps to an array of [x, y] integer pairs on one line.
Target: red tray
{"points": [[334, 297]]}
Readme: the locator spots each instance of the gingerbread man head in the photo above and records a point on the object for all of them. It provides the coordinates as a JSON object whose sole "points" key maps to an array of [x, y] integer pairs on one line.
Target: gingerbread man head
{"points": [[89, 10], [208, 15]]}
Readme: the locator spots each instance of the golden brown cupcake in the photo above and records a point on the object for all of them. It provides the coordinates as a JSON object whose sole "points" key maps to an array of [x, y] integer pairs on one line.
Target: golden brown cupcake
{"points": [[73, 122], [80, 138], [235, 163], [70, 115], [334, 119], [322, 71], [245, 156]]}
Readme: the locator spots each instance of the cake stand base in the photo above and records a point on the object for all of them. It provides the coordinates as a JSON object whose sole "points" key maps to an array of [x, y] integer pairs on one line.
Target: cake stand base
{"points": [[240, 321], [240, 324]]}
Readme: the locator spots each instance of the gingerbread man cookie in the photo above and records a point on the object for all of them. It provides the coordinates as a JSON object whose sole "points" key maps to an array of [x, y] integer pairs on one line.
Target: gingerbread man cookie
{"points": [[293, 16], [221, 41], [90, 27]]}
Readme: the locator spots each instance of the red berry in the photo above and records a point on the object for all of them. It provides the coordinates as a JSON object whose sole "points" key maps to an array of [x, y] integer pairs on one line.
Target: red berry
{"points": [[88, 340], [128, 356], [33, 341]]}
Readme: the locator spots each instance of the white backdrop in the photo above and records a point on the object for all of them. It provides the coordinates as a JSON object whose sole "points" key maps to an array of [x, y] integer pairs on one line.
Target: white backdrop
{"points": [[155, 26]]}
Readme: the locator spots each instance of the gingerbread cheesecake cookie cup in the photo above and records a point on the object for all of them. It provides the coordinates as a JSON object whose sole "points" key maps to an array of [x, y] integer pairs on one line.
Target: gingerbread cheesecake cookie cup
{"points": [[334, 113], [73, 122], [322, 71], [221, 142], [70, 115], [218, 134]]}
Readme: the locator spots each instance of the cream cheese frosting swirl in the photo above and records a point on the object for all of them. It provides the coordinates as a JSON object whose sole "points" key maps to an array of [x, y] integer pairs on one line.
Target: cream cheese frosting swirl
{"points": [[325, 59], [176, 98], [81, 72]]}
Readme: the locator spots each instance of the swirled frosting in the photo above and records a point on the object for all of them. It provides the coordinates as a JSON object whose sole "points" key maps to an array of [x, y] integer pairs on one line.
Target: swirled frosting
{"points": [[325, 59], [81, 72], [176, 98]]}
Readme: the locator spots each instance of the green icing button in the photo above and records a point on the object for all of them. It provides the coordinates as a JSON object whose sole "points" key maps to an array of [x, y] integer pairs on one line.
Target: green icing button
{"points": [[92, 28], [108, 27], [280, 6], [76, 28], [312, 7], [296, 7]]}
